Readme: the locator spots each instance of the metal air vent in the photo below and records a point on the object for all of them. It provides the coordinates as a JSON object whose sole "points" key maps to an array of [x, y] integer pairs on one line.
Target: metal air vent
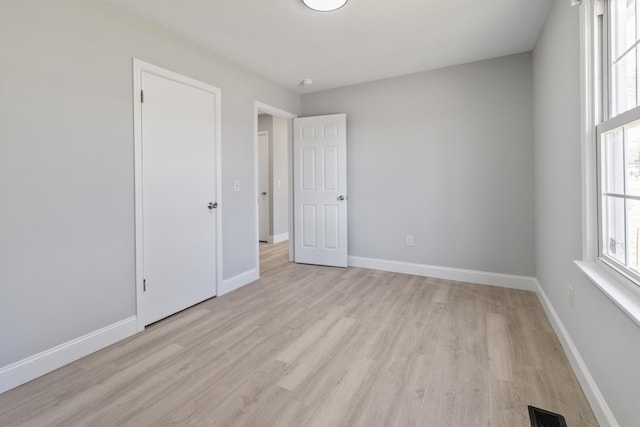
{"points": [[541, 418]]}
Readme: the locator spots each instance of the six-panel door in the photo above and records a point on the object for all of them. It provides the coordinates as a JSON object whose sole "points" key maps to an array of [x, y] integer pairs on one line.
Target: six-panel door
{"points": [[320, 190]]}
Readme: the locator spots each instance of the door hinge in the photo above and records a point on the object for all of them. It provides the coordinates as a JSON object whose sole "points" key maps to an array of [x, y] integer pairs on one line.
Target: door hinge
{"points": [[142, 97], [599, 7], [144, 285]]}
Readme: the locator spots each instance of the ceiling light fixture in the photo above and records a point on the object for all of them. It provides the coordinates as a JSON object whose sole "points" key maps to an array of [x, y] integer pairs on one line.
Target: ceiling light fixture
{"points": [[324, 5]]}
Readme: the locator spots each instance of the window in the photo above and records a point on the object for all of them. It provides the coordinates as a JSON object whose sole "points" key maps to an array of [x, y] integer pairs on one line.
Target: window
{"points": [[622, 45], [619, 138], [610, 111]]}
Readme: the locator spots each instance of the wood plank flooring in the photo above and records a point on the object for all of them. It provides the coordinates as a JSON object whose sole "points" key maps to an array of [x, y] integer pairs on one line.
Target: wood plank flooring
{"points": [[320, 346]]}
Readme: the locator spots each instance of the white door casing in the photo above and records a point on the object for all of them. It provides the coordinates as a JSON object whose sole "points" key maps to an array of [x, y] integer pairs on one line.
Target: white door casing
{"points": [[177, 178], [264, 197], [260, 107], [320, 190]]}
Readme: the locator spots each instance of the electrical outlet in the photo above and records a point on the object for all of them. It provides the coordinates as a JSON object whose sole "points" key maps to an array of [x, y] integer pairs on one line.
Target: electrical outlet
{"points": [[571, 297], [409, 239]]}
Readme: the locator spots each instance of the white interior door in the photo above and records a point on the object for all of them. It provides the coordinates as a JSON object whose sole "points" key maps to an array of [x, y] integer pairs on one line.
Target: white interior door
{"points": [[178, 126], [263, 185], [320, 190]]}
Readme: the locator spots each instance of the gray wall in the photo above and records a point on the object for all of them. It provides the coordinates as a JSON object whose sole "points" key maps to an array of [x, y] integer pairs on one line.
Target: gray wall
{"points": [[447, 156], [608, 341], [66, 164]]}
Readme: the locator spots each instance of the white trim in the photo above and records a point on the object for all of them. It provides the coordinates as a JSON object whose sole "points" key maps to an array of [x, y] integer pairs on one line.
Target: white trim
{"points": [[612, 283], [588, 133], [472, 276], [138, 67], [278, 238], [265, 108], [625, 295], [623, 119], [598, 404], [260, 107], [238, 281], [292, 248], [49, 360]]}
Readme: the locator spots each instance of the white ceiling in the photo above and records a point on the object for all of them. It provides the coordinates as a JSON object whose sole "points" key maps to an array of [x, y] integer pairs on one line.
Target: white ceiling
{"points": [[363, 41]]}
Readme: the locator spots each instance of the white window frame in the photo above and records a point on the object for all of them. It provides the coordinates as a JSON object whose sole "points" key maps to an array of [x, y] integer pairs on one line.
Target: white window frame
{"points": [[615, 283]]}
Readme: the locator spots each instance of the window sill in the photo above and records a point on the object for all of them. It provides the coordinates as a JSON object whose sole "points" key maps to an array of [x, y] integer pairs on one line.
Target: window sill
{"points": [[615, 288]]}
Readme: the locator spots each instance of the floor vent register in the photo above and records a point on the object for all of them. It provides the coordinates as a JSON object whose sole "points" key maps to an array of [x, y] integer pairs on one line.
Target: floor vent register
{"points": [[541, 418]]}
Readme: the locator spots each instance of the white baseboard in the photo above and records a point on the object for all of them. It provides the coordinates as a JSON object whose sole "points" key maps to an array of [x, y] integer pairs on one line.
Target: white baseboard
{"points": [[49, 360], [238, 281], [599, 406], [278, 238], [480, 277]]}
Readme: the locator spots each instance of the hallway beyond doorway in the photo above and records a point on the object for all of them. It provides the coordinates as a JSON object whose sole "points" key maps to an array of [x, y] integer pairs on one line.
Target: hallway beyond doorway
{"points": [[273, 255]]}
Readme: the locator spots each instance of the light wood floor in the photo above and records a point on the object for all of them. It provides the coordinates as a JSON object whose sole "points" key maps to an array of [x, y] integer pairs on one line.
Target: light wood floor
{"points": [[319, 346]]}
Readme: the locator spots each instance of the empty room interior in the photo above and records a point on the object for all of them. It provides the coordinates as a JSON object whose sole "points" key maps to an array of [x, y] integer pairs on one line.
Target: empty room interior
{"points": [[320, 213]]}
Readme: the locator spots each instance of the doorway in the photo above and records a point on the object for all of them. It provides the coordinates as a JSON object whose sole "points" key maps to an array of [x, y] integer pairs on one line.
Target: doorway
{"points": [[273, 142], [177, 192]]}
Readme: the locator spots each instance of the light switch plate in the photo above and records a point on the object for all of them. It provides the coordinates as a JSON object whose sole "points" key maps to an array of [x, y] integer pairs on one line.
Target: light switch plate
{"points": [[409, 239], [236, 185]]}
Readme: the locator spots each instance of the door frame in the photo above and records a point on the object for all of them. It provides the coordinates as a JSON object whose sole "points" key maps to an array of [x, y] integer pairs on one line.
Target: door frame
{"points": [[260, 107], [139, 67]]}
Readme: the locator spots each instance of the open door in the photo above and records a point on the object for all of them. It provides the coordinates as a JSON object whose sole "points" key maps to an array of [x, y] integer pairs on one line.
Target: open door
{"points": [[320, 190]]}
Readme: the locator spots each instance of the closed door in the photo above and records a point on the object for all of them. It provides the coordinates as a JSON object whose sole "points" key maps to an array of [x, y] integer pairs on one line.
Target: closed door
{"points": [[264, 202], [178, 195], [320, 190]]}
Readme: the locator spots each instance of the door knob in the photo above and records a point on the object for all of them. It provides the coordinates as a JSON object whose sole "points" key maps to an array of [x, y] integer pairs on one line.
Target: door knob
{"points": [[340, 198], [212, 205], [264, 193]]}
